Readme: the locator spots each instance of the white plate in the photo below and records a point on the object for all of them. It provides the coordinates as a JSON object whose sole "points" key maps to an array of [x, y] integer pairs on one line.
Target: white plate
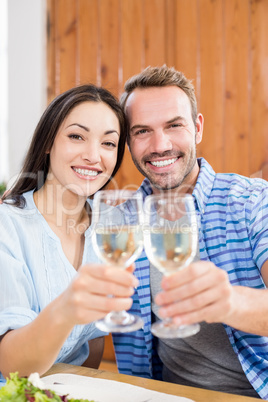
{"points": [[101, 390]]}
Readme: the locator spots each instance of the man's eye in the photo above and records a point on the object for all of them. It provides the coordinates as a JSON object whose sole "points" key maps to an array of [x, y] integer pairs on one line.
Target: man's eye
{"points": [[141, 131], [75, 136], [175, 125]]}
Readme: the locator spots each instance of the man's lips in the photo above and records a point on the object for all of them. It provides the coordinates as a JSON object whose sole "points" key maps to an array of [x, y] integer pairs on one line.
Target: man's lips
{"points": [[163, 162]]}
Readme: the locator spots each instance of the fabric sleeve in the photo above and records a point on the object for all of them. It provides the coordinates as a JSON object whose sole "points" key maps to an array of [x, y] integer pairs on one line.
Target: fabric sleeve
{"points": [[257, 209], [18, 303]]}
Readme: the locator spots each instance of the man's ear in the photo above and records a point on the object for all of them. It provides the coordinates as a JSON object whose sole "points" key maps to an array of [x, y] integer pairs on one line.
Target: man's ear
{"points": [[199, 128]]}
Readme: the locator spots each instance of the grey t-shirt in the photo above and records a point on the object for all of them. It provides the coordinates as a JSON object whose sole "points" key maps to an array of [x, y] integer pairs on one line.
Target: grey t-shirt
{"points": [[205, 360]]}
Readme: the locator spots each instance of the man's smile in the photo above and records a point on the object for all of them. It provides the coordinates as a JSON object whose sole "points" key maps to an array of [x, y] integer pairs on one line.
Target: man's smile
{"points": [[162, 163]]}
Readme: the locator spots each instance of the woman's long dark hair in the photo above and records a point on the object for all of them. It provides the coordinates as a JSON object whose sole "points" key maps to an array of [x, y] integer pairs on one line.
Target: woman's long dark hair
{"points": [[36, 165]]}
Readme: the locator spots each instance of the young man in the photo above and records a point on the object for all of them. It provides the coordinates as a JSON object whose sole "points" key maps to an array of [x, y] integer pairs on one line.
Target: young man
{"points": [[226, 290]]}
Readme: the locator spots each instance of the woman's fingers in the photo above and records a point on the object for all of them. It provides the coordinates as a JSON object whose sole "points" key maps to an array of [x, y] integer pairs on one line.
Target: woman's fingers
{"points": [[110, 274], [96, 290]]}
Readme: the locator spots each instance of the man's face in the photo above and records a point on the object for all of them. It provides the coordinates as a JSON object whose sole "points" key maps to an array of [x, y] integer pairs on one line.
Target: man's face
{"points": [[163, 136]]}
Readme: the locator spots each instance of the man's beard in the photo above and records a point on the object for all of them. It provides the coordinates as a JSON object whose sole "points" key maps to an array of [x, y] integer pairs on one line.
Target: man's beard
{"points": [[164, 183]]}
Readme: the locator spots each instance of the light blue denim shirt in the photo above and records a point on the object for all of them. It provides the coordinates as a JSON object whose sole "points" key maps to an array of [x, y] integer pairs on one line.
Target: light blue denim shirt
{"points": [[34, 271]]}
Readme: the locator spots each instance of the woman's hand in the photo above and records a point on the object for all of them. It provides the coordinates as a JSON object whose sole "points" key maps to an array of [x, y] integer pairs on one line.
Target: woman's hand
{"points": [[95, 291]]}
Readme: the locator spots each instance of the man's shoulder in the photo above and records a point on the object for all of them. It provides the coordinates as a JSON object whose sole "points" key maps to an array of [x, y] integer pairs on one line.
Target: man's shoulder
{"points": [[234, 183]]}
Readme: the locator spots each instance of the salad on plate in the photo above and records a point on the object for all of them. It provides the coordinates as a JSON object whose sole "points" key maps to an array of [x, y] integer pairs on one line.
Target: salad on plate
{"points": [[31, 389]]}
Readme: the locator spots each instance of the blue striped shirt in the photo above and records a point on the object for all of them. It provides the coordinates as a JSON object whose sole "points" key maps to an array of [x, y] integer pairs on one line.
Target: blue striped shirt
{"points": [[233, 233]]}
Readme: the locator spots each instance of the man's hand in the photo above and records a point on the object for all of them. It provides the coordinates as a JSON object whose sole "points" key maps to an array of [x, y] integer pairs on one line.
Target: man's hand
{"points": [[200, 292]]}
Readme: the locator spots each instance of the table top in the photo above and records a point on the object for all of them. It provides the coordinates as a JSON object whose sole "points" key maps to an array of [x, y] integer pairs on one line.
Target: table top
{"points": [[197, 394]]}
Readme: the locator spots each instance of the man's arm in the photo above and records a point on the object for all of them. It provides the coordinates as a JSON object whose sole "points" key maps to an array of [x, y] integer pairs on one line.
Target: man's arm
{"points": [[202, 292]]}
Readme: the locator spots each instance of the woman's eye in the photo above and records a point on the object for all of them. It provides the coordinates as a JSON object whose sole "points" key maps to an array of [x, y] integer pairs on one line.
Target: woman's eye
{"points": [[75, 136], [110, 144]]}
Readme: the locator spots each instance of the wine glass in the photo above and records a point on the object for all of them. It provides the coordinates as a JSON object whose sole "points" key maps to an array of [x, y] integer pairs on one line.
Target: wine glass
{"points": [[171, 241], [118, 240]]}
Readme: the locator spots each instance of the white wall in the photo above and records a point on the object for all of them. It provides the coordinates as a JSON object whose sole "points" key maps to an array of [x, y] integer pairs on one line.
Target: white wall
{"points": [[26, 75]]}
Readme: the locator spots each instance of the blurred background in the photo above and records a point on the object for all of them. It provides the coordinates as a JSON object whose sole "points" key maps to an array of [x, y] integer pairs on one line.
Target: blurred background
{"points": [[48, 46]]}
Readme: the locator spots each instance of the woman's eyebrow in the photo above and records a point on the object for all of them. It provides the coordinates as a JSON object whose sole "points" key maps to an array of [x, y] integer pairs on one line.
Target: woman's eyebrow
{"points": [[111, 132], [79, 125]]}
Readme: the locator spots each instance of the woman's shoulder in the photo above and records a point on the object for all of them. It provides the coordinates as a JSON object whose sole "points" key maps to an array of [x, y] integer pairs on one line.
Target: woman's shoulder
{"points": [[10, 213], [26, 206]]}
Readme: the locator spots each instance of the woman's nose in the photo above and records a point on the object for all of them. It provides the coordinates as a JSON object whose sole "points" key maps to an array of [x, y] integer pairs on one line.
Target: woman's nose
{"points": [[92, 153]]}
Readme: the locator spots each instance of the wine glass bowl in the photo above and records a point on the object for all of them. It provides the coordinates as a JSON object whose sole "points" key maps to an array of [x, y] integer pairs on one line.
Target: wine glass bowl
{"points": [[118, 240], [171, 241]]}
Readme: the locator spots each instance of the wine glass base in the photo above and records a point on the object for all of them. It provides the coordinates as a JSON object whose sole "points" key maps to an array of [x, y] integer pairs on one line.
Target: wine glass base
{"points": [[168, 329], [120, 322]]}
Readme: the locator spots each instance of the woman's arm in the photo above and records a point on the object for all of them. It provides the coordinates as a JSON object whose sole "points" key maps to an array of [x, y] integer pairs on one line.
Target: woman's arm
{"points": [[34, 347]]}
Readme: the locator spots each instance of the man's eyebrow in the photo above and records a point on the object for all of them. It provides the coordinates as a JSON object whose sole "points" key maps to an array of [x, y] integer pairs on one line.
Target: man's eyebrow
{"points": [[139, 126], [176, 119], [79, 125]]}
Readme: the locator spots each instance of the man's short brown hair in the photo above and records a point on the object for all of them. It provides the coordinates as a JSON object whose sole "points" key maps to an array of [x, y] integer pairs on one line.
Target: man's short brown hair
{"points": [[161, 77]]}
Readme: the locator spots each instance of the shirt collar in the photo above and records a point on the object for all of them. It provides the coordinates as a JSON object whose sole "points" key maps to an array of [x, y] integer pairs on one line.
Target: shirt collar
{"points": [[203, 185], [202, 188]]}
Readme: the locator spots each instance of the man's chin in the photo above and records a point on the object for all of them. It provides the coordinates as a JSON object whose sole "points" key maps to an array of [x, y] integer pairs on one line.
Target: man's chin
{"points": [[163, 184]]}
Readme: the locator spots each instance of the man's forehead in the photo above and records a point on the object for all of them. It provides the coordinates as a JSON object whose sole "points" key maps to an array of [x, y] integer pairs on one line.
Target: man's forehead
{"points": [[165, 100]]}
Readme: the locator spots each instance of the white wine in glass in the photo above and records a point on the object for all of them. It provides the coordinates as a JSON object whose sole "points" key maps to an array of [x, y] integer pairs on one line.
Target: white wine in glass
{"points": [[118, 240], [171, 241]]}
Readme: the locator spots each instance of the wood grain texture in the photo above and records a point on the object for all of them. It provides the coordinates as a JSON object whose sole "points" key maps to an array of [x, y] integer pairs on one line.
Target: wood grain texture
{"points": [[88, 58], [237, 92], [258, 135], [66, 42], [110, 43], [212, 82]]}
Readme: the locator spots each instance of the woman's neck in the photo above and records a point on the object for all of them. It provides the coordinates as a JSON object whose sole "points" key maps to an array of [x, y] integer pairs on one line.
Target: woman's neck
{"points": [[61, 207]]}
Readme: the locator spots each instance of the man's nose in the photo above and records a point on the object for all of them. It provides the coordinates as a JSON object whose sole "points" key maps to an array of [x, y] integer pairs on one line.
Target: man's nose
{"points": [[160, 142]]}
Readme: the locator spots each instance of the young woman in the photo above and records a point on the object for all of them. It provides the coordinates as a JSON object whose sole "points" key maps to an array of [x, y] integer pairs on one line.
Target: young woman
{"points": [[49, 295]]}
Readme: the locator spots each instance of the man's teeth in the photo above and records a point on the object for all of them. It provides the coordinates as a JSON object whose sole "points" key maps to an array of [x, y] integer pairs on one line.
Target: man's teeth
{"points": [[164, 163], [86, 172]]}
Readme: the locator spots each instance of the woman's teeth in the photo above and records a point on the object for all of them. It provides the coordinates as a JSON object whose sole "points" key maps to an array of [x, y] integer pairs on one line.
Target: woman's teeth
{"points": [[164, 163], [85, 172]]}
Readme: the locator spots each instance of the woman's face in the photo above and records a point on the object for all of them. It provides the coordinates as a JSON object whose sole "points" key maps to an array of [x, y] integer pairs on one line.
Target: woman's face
{"points": [[84, 153]]}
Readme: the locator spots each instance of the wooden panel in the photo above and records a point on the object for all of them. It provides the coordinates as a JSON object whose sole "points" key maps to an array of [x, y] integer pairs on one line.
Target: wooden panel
{"points": [[187, 40], [154, 32], [212, 82], [132, 31], [109, 12], [236, 128], [132, 56], [259, 100], [170, 22], [66, 54], [88, 41], [51, 50]]}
